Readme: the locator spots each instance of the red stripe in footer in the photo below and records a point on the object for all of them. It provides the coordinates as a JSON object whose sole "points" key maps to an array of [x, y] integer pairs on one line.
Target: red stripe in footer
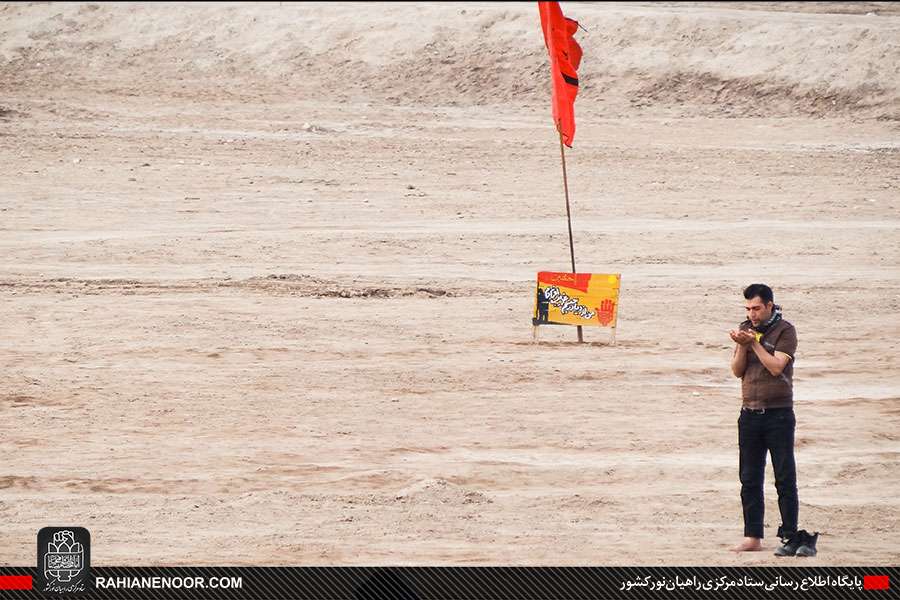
{"points": [[876, 582], [15, 582]]}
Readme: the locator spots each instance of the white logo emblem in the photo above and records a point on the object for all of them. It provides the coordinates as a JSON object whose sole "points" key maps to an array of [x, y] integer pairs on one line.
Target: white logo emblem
{"points": [[65, 557]]}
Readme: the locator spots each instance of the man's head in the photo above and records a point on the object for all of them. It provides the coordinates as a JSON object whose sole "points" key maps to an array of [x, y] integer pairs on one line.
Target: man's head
{"points": [[760, 302]]}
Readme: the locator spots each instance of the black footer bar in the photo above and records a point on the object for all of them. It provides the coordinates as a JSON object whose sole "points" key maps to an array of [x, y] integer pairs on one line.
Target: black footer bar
{"points": [[461, 583]]}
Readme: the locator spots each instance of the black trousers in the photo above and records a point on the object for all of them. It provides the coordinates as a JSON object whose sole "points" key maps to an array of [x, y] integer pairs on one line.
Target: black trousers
{"points": [[772, 432]]}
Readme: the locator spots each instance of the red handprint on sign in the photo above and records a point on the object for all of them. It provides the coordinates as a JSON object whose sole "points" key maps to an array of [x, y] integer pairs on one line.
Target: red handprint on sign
{"points": [[606, 311]]}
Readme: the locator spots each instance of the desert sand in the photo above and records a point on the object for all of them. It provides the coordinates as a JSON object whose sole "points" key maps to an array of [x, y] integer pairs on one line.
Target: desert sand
{"points": [[267, 278]]}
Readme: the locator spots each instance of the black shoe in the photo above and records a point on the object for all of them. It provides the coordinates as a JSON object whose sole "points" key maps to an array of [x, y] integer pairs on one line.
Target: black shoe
{"points": [[790, 545], [800, 543], [808, 547]]}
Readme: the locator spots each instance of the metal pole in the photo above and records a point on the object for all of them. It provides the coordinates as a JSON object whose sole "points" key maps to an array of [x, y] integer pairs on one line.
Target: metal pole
{"points": [[562, 153]]}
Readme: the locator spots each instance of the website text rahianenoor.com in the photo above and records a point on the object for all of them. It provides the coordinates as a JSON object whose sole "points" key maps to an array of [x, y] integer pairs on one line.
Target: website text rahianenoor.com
{"points": [[161, 583]]}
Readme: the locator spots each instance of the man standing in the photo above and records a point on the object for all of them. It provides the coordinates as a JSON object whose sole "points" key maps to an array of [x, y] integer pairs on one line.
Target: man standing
{"points": [[764, 360], [543, 305]]}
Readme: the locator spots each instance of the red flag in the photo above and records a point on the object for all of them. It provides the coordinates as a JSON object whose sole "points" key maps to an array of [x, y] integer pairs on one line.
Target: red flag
{"points": [[565, 57]]}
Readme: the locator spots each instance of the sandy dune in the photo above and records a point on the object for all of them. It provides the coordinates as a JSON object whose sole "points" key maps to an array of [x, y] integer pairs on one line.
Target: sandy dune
{"points": [[267, 275]]}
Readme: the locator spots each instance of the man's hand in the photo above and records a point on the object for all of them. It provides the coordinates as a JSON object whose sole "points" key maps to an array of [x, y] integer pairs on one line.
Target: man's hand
{"points": [[742, 337], [739, 360]]}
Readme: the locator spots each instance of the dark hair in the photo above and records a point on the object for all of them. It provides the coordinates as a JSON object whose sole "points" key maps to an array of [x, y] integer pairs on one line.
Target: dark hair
{"points": [[759, 289]]}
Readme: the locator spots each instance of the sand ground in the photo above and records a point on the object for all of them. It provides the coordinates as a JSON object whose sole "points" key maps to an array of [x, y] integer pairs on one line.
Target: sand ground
{"points": [[260, 328]]}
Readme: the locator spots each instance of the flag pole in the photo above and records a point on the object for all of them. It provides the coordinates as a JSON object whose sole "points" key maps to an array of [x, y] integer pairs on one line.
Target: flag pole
{"points": [[562, 153]]}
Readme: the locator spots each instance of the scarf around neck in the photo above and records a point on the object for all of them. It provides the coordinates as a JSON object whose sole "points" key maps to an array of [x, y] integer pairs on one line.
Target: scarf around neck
{"points": [[766, 325]]}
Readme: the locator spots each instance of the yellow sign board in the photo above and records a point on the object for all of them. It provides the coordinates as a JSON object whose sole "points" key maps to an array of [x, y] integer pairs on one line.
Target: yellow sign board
{"points": [[577, 299]]}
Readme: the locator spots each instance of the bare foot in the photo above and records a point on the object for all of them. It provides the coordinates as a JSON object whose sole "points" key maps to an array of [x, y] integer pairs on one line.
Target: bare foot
{"points": [[750, 544]]}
